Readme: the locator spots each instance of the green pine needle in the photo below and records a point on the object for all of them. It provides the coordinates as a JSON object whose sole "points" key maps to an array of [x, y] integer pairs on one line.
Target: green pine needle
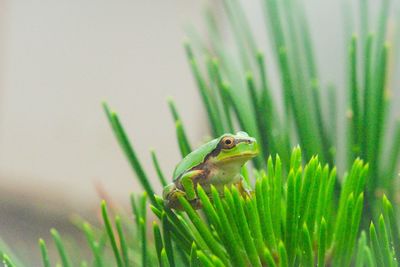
{"points": [[45, 254], [65, 260], [7, 261], [111, 236]]}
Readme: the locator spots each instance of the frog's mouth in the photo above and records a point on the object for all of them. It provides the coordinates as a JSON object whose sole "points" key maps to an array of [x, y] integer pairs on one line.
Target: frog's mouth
{"points": [[243, 156]]}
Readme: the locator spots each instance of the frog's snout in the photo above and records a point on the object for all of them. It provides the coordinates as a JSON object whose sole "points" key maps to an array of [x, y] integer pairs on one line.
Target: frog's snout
{"points": [[252, 143]]}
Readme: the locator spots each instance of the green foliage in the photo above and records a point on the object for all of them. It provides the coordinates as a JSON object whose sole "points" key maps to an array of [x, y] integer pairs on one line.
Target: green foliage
{"points": [[293, 218], [7, 261], [45, 255], [303, 212], [60, 247], [237, 82]]}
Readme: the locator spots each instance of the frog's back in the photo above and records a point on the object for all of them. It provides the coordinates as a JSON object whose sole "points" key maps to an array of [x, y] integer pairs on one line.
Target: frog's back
{"points": [[194, 158]]}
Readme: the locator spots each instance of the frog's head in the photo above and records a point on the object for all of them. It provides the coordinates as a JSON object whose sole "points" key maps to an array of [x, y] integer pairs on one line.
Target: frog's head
{"points": [[239, 147]]}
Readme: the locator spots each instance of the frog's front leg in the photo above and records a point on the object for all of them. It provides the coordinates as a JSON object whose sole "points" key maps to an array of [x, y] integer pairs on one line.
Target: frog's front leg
{"points": [[188, 184], [244, 190]]}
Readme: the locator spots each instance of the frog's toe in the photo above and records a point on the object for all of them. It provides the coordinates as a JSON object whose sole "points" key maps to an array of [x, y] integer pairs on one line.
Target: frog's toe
{"points": [[174, 204], [178, 193], [169, 190], [244, 191], [196, 204], [172, 201]]}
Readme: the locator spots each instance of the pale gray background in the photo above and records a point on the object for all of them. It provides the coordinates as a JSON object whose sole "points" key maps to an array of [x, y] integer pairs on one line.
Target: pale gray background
{"points": [[58, 61]]}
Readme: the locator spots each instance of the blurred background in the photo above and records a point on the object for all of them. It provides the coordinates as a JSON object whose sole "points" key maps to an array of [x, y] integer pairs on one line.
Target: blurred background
{"points": [[60, 59]]}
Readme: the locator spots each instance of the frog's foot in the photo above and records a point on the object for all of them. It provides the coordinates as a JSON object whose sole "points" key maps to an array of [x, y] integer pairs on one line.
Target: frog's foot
{"points": [[172, 201], [243, 190], [196, 203], [188, 184]]}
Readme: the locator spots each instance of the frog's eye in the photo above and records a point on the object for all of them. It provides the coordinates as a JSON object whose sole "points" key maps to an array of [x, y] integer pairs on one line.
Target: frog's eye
{"points": [[228, 142]]}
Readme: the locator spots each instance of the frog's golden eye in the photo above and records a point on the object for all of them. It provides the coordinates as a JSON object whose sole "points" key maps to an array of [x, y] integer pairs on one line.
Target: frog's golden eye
{"points": [[228, 142]]}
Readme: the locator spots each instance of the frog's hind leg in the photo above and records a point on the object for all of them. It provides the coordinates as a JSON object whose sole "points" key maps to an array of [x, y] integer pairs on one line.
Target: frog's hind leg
{"points": [[188, 184]]}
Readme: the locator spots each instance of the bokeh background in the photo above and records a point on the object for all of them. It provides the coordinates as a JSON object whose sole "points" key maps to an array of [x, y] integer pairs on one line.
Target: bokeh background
{"points": [[60, 59]]}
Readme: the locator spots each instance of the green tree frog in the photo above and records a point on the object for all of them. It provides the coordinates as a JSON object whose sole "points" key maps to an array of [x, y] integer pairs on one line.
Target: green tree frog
{"points": [[216, 163]]}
